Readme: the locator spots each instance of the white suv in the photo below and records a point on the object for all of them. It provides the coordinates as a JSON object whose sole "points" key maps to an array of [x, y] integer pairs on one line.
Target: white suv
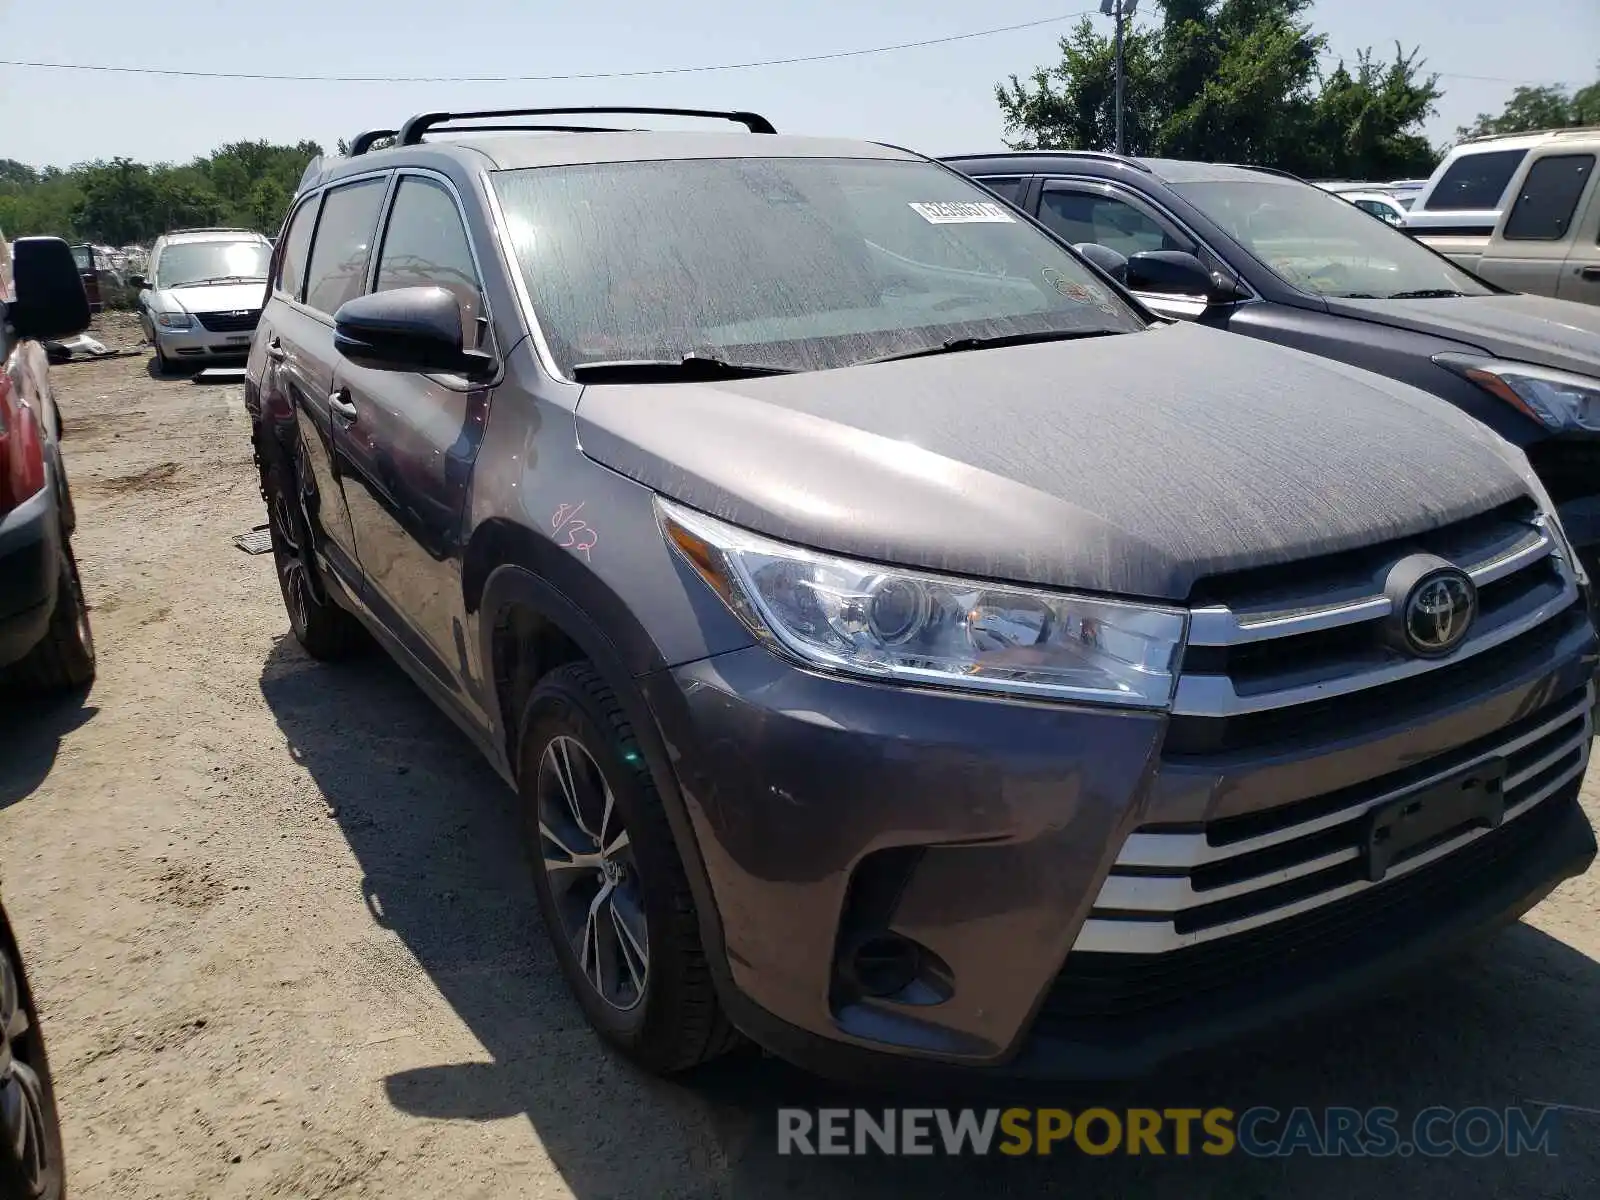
{"points": [[203, 295], [1457, 210]]}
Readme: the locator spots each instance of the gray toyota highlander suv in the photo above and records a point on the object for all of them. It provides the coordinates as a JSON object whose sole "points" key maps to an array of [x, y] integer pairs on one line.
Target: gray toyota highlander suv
{"points": [[905, 649]]}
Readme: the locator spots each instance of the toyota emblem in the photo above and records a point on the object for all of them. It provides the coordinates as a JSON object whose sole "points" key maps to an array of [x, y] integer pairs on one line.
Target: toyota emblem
{"points": [[1438, 612]]}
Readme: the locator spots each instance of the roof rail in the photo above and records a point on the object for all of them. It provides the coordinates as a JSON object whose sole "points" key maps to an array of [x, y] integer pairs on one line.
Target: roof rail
{"points": [[215, 229], [1557, 130], [411, 132], [364, 140], [1287, 174], [1107, 155]]}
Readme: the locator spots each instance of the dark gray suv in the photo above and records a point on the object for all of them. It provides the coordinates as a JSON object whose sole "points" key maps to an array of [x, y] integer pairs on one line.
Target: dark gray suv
{"points": [[905, 648]]}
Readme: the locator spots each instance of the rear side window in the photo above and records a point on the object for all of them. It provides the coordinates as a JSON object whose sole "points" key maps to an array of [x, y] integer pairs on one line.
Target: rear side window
{"points": [[1378, 209], [343, 246], [1010, 189], [1548, 197], [426, 245], [292, 263], [1476, 180]]}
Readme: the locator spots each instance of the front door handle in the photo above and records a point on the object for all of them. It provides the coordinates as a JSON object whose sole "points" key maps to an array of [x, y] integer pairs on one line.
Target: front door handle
{"points": [[340, 403], [1589, 272], [275, 350]]}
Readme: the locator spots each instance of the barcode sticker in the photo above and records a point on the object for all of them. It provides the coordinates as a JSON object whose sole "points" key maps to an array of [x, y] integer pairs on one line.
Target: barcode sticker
{"points": [[963, 213]]}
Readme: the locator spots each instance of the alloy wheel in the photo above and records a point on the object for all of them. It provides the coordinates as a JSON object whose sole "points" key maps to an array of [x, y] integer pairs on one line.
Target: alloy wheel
{"points": [[294, 574], [594, 880], [23, 1122]]}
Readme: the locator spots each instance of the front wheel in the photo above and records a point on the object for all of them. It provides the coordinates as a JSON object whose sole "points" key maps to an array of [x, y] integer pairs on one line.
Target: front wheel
{"points": [[611, 886], [320, 625]]}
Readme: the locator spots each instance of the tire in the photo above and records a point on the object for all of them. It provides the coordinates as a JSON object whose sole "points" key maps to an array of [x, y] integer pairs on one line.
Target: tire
{"points": [[326, 631], [576, 740], [164, 365], [31, 1161], [64, 659]]}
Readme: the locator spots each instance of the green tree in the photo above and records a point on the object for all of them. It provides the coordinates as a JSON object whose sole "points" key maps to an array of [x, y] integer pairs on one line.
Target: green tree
{"points": [[1367, 125], [119, 201], [1073, 105], [1231, 81], [1547, 107]]}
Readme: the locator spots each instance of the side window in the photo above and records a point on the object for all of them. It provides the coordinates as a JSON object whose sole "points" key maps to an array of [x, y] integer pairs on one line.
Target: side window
{"points": [[1547, 198], [1008, 189], [1106, 220], [1379, 209], [338, 268], [1476, 180], [426, 245], [292, 263]]}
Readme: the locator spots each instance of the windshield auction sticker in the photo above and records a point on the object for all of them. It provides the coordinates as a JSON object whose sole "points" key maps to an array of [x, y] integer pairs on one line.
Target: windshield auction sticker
{"points": [[963, 213]]}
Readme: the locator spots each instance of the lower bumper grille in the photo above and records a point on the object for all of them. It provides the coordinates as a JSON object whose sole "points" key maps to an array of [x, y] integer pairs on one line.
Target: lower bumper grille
{"points": [[1172, 888], [1112, 995]]}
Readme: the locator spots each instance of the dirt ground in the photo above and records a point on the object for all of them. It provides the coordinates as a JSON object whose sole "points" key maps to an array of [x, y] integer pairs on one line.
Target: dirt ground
{"points": [[286, 947]]}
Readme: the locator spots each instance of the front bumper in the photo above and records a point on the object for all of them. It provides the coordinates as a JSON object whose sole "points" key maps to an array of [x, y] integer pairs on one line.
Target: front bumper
{"points": [[201, 344], [30, 554], [828, 811]]}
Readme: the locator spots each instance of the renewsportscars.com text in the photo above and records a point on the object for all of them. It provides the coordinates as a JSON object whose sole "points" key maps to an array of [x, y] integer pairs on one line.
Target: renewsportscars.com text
{"points": [[1258, 1132]]}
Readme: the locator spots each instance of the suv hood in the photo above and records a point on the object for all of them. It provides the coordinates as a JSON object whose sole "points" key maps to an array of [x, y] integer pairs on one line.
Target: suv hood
{"points": [[213, 297], [1132, 464], [1562, 334]]}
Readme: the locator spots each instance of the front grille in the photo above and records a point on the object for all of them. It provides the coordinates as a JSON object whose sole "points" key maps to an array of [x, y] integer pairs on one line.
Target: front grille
{"points": [[1301, 650], [230, 322], [1171, 888], [1104, 995]]}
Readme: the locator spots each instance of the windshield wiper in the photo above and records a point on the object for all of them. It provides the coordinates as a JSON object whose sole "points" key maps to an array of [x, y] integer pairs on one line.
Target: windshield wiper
{"points": [[691, 368], [961, 344], [1425, 294], [221, 279]]}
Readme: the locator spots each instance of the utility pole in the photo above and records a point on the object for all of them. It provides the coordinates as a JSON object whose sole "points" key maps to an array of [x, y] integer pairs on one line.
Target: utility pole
{"points": [[1120, 11]]}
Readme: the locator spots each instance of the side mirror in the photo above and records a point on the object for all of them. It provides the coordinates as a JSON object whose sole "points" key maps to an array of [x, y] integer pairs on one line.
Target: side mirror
{"points": [[408, 329], [1169, 273], [51, 302], [1107, 259], [138, 282]]}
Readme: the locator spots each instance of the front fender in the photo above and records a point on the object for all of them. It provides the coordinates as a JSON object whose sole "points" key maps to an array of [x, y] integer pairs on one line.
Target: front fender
{"points": [[514, 585]]}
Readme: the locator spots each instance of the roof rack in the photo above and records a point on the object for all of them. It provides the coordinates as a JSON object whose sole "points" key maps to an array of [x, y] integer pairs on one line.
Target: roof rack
{"points": [[1554, 130], [364, 140], [214, 229], [411, 132]]}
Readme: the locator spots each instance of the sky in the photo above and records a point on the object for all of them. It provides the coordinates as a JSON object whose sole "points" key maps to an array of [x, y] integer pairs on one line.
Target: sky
{"points": [[938, 99]]}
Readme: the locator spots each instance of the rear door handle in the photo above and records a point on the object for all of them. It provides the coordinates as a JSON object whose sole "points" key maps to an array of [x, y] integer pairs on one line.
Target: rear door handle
{"points": [[1589, 272], [275, 350], [342, 406]]}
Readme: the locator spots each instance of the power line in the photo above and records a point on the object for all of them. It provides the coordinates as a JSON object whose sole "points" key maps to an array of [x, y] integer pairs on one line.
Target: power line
{"points": [[834, 55], [736, 66]]}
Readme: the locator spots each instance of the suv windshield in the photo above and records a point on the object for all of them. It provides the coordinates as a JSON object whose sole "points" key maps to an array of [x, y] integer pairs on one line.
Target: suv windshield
{"points": [[795, 263], [196, 262], [1323, 245]]}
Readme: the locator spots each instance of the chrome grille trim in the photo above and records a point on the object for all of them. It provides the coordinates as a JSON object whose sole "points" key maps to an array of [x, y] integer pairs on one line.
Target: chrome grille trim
{"points": [[1219, 625], [1167, 897], [1186, 851], [1214, 695]]}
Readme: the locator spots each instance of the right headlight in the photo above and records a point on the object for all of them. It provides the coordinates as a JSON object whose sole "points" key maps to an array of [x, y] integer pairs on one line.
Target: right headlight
{"points": [[916, 627], [176, 321], [1558, 400]]}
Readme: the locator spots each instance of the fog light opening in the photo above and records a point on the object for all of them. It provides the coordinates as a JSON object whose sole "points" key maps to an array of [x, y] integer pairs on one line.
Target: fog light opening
{"points": [[883, 964]]}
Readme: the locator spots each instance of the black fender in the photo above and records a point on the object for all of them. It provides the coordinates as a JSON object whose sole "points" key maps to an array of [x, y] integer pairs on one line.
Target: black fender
{"points": [[513, 585]]}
